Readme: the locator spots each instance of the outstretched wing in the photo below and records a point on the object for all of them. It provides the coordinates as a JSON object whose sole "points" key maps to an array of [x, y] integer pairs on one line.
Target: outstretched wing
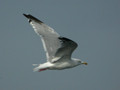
{"points": [[54, 45]]}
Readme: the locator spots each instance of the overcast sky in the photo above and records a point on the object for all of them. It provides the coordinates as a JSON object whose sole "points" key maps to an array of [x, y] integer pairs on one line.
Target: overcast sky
{"points": [[93, 24]]}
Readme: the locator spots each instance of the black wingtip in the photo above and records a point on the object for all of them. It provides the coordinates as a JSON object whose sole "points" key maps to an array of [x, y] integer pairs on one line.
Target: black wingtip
{"points": [[30, 17], [25, 15]]}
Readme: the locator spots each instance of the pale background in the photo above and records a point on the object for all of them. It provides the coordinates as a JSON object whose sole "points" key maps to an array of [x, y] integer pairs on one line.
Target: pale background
{"points": [[93, 24]]}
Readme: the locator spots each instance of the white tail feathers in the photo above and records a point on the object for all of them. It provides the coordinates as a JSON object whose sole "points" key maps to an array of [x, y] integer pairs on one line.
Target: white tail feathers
{"points": [[36, 67], [41, 67]]}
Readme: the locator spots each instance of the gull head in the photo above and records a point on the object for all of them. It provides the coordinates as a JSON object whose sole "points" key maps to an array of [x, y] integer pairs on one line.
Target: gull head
{"points": [[79, 62]]}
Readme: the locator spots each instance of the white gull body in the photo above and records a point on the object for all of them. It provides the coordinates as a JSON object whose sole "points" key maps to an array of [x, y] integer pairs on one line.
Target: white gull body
{"points": [[58, 49]]}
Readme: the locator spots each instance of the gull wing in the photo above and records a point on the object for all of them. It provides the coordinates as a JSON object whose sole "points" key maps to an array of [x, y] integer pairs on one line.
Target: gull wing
{"points": [[66, 49], [55, 46]]}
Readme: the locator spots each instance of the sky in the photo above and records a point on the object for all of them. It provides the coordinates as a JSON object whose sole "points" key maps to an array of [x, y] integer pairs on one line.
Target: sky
{"points": [[93, 24]]}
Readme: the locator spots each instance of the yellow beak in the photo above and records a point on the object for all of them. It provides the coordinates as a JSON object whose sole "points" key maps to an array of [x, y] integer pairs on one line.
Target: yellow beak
{"points": [[85, 63]]}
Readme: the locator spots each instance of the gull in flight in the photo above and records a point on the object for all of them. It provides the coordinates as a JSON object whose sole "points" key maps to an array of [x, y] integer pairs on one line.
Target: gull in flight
{"points": [[58, 49]]}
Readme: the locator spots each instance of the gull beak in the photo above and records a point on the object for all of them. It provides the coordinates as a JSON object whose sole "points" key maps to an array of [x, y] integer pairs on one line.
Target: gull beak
{"points": [[85, 63]]}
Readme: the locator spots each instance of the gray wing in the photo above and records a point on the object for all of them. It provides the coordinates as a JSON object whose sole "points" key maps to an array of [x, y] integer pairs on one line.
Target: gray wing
{"points": [[54, 45], [66, 49]]}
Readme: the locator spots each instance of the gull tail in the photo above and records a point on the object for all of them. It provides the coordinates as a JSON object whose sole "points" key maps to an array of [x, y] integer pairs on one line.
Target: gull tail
{"points": [[39, 68], [36, 67]]}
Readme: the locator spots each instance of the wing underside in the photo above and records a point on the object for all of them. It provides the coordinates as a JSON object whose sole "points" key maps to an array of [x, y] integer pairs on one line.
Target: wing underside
{"points": [[54, 45]]}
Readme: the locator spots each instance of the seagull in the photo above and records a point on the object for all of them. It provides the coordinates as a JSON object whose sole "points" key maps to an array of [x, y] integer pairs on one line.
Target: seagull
{"points": [[58, 49]]}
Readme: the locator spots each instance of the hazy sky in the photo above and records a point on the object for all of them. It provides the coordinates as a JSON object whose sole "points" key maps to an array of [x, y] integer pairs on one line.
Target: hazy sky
{"points": [[93, 24]]}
